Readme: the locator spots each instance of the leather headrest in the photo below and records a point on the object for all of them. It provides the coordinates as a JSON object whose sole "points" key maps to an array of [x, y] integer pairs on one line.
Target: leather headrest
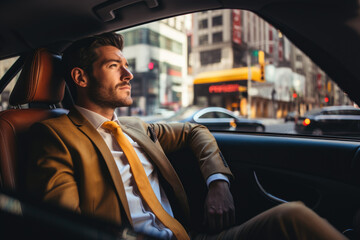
{"points": [[40, 81]]}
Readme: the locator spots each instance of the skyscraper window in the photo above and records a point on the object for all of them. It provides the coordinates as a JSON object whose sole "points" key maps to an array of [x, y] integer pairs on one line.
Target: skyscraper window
{"points": [[217, 21], [217, 37], [210, 56], [203, 39], [203, 24]]}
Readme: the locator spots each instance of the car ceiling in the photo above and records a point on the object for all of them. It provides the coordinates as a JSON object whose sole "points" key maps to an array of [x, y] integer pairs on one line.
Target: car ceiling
{"points": [[327, 31]]}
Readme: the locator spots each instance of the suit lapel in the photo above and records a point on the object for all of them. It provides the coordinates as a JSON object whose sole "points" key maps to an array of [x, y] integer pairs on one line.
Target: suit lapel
{"points": [[163, 164], [88, 129]]}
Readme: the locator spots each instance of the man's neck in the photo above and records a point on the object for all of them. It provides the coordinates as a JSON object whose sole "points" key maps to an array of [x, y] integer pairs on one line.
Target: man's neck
{"points": [[103, 111]]}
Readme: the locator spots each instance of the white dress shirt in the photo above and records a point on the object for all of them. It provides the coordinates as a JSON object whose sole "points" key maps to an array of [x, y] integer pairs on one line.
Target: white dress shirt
{"points": [[142, 218]]}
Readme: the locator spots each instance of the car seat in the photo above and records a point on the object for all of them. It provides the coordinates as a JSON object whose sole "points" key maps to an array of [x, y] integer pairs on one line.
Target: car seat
{"points": [[41, 87]]}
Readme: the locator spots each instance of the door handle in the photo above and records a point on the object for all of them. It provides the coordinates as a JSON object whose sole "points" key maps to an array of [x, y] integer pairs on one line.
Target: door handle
{"points": [[272, 197]]}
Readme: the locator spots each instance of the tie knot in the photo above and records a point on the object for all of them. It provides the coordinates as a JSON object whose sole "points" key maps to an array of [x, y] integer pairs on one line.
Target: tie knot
{"points": [[110, 125]]}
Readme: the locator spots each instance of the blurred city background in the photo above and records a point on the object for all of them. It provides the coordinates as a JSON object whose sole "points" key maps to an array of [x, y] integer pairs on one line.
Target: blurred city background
{"points": [[204, 58], [226, 58]]}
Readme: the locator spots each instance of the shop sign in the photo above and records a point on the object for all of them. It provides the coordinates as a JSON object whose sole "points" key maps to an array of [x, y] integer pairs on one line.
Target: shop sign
{"points": [[224, 88], [236, 14]]}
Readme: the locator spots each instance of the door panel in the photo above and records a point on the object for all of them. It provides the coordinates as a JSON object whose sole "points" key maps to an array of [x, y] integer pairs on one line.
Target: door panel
{"points": [[322, 173]]}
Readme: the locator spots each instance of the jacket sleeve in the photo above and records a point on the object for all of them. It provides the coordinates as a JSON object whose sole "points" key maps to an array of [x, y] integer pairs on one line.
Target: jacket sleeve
{"points": [[174, 136], [51, 169]]}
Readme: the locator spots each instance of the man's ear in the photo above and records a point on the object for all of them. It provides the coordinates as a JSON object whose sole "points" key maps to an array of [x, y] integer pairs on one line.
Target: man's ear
{"points": [[79, 76]]}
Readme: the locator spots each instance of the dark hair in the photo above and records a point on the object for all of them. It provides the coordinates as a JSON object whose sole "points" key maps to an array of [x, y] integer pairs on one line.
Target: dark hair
{"points": [[82, 54]]}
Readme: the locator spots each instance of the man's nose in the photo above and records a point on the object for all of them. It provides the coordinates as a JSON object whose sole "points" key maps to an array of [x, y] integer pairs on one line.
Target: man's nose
{"points": [[126, 75]]}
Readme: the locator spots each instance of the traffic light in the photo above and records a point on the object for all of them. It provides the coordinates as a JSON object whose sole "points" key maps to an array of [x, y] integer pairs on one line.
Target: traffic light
{"points": [[294, 95], [261, 59], [326, 99], [151, 65]]}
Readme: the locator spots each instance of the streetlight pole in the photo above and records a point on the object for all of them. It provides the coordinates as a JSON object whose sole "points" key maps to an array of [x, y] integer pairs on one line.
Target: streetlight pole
{"points": [[249, 85]]}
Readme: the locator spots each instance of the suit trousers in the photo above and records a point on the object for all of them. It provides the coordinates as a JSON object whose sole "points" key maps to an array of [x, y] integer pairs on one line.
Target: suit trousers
{"points": [[286, 221]]}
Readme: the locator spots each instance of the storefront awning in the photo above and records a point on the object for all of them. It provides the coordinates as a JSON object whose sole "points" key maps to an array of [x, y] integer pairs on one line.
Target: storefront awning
{"points": [[234, 74]]}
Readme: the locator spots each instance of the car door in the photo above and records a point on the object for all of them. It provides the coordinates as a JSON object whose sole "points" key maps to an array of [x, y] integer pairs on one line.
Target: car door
{"points": [[272, 169], [339, 122], [356, 115], [353, 120]]}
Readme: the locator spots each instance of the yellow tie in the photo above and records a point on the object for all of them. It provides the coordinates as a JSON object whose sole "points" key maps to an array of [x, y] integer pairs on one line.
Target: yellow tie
{"points": [[143, 183]]}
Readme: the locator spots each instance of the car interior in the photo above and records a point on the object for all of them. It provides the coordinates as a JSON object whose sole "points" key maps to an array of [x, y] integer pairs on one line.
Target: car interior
{"points": [[40, 82], [269, 168]]}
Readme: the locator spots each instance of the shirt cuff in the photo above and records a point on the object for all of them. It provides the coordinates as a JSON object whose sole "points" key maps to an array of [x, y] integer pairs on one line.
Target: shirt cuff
{"points": [[215, 177]]}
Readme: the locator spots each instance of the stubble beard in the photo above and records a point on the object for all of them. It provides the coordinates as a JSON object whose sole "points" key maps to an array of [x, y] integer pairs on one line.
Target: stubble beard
{"points": [[103, 98]]}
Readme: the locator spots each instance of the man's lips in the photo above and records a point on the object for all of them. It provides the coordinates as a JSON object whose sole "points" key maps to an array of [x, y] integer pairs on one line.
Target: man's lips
{"points": [[124, 87]]}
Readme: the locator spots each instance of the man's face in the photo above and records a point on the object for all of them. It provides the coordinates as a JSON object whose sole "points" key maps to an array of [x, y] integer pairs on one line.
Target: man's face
{"points": [[109, 83]]}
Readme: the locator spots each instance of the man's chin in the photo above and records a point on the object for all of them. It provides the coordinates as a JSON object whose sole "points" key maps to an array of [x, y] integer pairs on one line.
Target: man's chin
{"points": [[130, 101], [126, 103]]}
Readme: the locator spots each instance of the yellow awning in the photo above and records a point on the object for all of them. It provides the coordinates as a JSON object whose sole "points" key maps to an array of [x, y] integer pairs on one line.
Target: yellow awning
{"points": [[234, 74]]}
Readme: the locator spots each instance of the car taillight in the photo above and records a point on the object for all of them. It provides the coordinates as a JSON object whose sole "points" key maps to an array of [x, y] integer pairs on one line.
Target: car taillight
{"points": [[306, 122], [232, 123]]}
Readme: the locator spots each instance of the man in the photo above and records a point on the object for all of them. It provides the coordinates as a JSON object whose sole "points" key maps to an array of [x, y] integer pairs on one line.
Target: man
{"points": [[116, 169]]}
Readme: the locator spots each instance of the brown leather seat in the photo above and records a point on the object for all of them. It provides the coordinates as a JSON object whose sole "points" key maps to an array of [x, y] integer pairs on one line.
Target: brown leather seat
{"points": [[41, 84]]}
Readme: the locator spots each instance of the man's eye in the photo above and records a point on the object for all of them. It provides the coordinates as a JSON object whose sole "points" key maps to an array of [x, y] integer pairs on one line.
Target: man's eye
{"points": [[113, 65]]}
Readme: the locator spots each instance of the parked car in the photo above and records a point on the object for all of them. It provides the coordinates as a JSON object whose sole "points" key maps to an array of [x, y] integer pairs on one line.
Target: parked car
{"points": [[291, 116], [334, 120], [163, 112], [217, 118], [268, 169]]}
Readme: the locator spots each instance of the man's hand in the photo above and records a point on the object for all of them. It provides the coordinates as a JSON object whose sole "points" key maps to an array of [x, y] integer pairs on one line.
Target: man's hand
{"points": [[219, 207]]}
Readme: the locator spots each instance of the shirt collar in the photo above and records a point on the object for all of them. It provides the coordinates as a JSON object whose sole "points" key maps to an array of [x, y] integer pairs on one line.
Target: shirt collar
{"points": [[94, 118]]}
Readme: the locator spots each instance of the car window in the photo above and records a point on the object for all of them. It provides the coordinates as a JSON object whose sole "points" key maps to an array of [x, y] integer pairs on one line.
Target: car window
{"points": [[209, 115], [340, 112], [5, 94], [223, 115], [235, 60], [350, 112]]}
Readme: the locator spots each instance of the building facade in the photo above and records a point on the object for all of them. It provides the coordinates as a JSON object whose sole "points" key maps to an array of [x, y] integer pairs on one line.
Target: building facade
{"points": [[157, 56], [232, 39]]}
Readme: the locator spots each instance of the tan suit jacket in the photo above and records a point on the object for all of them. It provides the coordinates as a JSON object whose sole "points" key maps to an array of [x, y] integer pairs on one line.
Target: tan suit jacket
{"points": [[71, 165]]}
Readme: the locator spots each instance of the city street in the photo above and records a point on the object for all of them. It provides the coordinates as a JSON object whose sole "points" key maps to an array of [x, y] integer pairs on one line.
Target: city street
{"points": [[271, 125], [278, 126]]}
